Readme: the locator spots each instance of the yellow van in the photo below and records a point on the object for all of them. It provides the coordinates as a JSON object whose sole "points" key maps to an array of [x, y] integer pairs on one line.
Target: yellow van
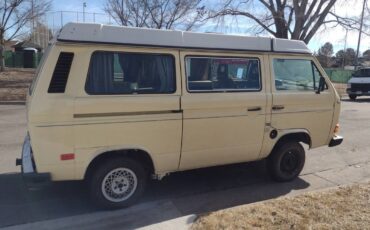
{"points": [[115, 105]]}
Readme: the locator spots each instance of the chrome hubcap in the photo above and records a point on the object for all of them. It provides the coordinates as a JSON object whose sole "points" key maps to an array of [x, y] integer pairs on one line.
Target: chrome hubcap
{"points": [[119, 184]]}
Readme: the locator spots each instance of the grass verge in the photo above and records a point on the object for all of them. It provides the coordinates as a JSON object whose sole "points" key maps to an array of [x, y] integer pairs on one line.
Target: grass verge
{"points": [[338, 208]]}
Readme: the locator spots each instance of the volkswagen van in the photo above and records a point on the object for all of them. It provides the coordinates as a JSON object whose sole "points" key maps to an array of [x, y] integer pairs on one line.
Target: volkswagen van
{"points": [[115, 106]]}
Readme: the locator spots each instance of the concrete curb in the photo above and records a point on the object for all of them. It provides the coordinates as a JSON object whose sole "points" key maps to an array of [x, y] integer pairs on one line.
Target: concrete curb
{"points": [[181, 223], [12, 102]]}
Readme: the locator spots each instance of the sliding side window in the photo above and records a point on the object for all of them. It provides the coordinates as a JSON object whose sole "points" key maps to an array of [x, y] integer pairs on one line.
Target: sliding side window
{"points": [[219, 74], [130, 73]]}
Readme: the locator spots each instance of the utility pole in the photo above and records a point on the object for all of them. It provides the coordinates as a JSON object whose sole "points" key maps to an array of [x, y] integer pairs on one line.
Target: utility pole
{"points": [[83, 11], [33, 22], [359, 34], [344, 50], [61, 19]]}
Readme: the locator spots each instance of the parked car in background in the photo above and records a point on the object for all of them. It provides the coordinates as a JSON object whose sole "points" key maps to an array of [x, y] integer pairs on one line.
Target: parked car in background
{"points": [[359, 84]]}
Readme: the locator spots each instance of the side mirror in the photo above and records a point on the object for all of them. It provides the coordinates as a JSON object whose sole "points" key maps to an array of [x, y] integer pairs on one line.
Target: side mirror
{"points": [[321, 86]]}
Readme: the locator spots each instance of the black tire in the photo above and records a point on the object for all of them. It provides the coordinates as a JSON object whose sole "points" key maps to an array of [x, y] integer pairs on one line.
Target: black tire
{"points": [[352, 97], [286, 161], [123, 183]]}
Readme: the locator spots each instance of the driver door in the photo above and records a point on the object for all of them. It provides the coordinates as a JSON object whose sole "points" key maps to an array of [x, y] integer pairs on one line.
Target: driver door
{"points": [[296, 103]]}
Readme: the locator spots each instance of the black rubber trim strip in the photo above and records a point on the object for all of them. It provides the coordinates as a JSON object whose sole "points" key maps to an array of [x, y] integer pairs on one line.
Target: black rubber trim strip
{"points": [[114, 114]]}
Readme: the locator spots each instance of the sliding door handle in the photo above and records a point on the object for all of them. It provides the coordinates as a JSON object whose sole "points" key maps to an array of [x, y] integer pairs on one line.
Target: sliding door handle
{"points": [[254, 108], [278, 107]]}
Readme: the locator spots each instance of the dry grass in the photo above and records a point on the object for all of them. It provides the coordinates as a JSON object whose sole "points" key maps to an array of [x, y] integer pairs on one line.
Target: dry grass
{"points": [[14, 84], [338, 208]]}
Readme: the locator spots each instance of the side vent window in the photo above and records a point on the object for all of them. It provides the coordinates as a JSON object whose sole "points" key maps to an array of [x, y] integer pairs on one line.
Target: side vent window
{"points": [[60, 75]]}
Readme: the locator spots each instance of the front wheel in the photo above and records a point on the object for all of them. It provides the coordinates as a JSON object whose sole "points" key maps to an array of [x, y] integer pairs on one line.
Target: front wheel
{"points": [[286, 162], [352, 97], [117, 183]]}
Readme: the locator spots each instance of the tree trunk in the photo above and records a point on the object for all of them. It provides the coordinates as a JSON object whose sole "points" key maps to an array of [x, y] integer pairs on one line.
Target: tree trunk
{"points": [[2, 60], [2, 48], [280, 24]]}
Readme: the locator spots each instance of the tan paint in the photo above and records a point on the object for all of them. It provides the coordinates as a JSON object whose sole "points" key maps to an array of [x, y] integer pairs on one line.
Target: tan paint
{"points": [[212, 129]]}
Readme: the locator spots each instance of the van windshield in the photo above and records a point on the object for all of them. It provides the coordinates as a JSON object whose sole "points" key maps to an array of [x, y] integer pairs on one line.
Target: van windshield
{"points": [[362, 73], [39, 67]]}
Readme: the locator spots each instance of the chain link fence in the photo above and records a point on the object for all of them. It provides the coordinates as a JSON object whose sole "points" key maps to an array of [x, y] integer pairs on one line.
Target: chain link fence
{"points": [[339, 75]]}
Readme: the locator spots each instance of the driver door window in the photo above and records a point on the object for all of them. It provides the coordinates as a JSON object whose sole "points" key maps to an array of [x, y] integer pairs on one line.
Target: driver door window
{"points": [[296, 75]]}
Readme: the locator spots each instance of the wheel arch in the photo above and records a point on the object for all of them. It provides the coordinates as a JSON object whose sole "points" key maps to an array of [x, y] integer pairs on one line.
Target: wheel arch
{"points": [[140, 155], [294, 135]]}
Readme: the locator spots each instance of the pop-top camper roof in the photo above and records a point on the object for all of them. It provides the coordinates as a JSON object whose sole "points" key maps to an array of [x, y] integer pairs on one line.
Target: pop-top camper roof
{"points": [[98, 33]]}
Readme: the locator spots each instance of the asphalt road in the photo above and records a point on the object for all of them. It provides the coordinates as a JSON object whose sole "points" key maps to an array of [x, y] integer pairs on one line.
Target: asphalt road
{"points": [[65, 204]]}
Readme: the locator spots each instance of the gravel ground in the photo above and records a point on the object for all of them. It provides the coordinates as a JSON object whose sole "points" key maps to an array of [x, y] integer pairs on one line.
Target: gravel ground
{"points": [[14, 84]]}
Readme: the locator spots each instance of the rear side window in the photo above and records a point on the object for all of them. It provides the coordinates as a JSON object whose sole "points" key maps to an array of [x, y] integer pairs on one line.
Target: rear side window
{"points": [[296, 75], [222, 74], [130, 73], [61, 72]]}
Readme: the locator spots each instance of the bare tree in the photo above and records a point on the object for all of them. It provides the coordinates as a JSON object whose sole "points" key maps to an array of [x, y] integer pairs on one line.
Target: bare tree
{"points": [[39, 35], [128, 12], [169, 14], [295, 19], [325, 53], [14, 16], [366, 54], [346, 57], [160, 14]]}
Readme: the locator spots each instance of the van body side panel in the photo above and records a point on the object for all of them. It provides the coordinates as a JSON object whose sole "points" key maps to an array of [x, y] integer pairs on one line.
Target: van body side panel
{"points": [[148, 122], [268, 143], [49, 119], [218, 128], [336, 103]]}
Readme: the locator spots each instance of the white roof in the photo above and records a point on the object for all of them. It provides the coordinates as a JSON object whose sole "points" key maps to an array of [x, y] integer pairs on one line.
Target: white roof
{"points": [[98, 33]]}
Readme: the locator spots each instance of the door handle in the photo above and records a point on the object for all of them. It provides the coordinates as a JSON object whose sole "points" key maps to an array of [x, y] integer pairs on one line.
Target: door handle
{"points": [[278, 107], [255, 108]]}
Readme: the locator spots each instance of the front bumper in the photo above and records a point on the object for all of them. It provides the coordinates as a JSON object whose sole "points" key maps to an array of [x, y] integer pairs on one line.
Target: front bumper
{"points": [[336, 140], [31, 177], [358, 92]]}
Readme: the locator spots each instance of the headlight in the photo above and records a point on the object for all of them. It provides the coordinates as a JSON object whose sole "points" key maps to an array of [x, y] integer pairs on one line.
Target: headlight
{"points": [[348, 85]]}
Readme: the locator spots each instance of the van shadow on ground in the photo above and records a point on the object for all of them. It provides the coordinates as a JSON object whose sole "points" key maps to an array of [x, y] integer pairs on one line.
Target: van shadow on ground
{"points": [[196, 191]]}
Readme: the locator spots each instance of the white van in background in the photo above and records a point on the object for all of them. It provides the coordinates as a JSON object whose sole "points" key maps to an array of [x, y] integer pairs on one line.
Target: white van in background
{"points": [[359, 84]]}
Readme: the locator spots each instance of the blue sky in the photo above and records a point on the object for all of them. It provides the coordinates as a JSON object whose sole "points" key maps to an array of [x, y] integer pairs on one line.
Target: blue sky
{"points": [[76, 5], [335, 35]]}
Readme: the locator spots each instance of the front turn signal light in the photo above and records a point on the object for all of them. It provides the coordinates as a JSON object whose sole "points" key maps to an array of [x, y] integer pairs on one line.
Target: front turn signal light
{"points": [[336, 129]]}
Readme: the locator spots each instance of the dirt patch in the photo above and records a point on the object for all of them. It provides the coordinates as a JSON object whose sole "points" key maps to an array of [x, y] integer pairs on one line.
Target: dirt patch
{"points": [[14, 84], [339, 208]]}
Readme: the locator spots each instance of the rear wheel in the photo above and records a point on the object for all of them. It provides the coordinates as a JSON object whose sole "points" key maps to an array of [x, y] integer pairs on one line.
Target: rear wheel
{"points": [[352, 97], [117, 183], [286, 161]]}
